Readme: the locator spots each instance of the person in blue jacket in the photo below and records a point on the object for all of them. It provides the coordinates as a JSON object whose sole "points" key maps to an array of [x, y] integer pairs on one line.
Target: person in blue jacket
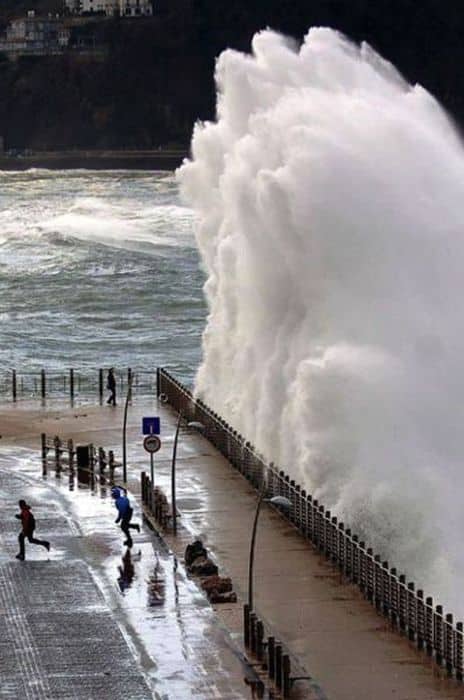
{"points": [[125, 512]]}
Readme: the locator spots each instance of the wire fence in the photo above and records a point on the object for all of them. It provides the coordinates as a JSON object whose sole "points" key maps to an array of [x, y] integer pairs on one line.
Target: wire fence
{"points": [[405, 605]]}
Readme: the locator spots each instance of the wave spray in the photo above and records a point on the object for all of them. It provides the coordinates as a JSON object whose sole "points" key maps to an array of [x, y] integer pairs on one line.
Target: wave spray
{"points": [[329, 197]]}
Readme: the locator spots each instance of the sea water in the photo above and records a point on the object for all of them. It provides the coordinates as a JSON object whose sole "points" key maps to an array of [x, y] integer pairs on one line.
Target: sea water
{"points": [[98, 269]]}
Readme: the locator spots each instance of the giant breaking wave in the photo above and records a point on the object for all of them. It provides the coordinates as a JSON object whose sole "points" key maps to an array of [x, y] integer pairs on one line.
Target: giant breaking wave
{"points": [[330, 203]]}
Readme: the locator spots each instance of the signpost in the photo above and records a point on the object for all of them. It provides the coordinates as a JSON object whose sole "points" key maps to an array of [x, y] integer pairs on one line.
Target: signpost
{"points": [[151, 426], [151, 442]]}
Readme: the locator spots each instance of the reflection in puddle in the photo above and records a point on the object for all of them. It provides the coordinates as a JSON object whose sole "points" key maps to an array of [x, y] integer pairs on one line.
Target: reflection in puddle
{"points": [[156, 585], [126, 571]]}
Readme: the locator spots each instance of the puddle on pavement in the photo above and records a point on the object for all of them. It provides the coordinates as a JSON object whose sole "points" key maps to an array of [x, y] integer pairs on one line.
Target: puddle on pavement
{"points": [[168, 621]]}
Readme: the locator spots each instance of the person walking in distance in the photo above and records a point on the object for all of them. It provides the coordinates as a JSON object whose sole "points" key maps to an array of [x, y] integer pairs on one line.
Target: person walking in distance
{"points": [[28, 522], [125, 512], [111, 385]]}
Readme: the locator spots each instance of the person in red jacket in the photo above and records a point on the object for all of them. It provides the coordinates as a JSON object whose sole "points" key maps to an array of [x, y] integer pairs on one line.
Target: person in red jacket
{"points": [[28, 522]]}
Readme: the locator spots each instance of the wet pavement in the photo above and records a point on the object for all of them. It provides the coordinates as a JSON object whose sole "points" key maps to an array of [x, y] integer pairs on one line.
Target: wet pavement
{"points": [[179, 646], [93, 619]]}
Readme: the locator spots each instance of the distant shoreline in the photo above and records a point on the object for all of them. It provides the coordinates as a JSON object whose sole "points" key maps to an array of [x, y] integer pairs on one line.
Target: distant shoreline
{"points": [[95, 160]]}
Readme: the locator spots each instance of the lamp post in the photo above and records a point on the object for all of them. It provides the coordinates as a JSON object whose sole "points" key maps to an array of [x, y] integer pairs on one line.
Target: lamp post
{"points": [[192, 424], [248, 608], [277, 501], [124, 427]]}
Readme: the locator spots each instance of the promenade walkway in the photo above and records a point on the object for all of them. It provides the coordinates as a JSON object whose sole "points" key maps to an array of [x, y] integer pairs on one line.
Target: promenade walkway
{"points": [[81, 622], [326, 624]]}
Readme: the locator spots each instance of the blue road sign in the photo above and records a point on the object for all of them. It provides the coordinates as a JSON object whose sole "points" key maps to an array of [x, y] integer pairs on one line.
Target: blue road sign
{"points": [[151, 426]]}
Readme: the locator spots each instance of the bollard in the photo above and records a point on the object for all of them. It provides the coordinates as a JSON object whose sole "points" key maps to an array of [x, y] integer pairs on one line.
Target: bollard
{"points": [[286, 683], [82, 456], [111, 465], [57, 445], [278, 666], [13, 384], [92, 466], [259, 640], [101, 460], [70, 448], [100, 385], [71, 384], [143, 487], [253, 622], [43, 438], [42, 383], [271, 657]]}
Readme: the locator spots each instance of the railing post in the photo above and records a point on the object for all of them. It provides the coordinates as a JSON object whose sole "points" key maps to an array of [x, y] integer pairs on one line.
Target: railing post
{"points": [[71, 384], [438, 634], [100, 385], [420, 640], [42, 383], [13, 384], [449, 644], [412, 612], [429, 631], [43, 439], [158, 381], [459, 651], [403, 602]]}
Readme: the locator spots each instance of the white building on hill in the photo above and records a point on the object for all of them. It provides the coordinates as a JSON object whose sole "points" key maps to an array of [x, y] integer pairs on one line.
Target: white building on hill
{"points": [[136, 8], [35, 36], [125, 8]]}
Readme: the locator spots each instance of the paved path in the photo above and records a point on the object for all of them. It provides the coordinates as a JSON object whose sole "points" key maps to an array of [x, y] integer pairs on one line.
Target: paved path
{"points": [[82, 622], [336, 634]]}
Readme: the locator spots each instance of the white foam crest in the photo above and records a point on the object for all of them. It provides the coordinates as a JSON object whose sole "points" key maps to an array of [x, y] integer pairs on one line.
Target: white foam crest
{"points": [[329, 202]]}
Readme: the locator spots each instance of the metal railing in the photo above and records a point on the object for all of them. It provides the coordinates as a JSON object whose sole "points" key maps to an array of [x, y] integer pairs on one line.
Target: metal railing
{"points": [[406, 607], [84, 383]]}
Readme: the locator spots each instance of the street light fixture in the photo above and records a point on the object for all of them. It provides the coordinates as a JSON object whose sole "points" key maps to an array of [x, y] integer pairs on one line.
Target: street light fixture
{"points": [[196, 425]]}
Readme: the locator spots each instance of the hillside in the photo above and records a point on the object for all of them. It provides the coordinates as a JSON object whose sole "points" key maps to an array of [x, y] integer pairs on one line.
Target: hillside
{"points": [[157, 79], [16, 8]]}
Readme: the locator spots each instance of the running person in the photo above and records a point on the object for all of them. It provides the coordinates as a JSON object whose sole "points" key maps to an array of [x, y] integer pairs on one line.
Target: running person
{"points": [[125, 512], [28, 522]]}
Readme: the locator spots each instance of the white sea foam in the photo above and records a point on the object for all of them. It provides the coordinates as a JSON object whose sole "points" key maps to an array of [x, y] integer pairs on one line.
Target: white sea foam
{"points": [[330, 222]]}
